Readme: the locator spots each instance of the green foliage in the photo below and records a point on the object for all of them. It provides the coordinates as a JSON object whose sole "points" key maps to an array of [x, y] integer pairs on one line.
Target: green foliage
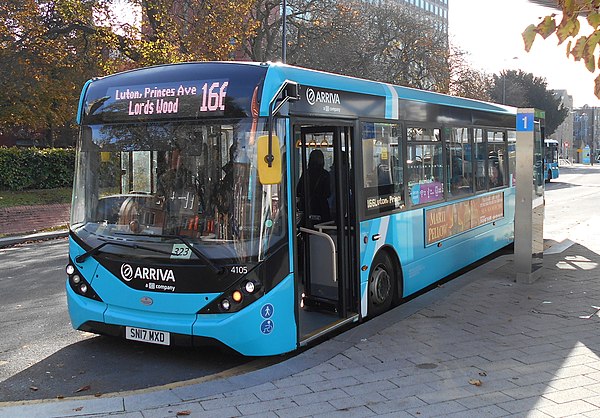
{"points": [[34, 168], [521, 89]]}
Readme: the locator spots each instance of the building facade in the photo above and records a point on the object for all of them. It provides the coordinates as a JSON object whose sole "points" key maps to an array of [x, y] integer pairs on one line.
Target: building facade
{"points": [[586, 130], [435, 10], [564, 133]]}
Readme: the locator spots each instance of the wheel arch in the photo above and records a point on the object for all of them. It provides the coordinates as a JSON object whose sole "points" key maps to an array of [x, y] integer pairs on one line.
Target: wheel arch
{"points": [[399, 276]]}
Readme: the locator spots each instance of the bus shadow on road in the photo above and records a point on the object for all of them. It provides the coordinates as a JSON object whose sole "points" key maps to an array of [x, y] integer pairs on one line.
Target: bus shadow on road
{"points": [[101, 365], [557, 185]]}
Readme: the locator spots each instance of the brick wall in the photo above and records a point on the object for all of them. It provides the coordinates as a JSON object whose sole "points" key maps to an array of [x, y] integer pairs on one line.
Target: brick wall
{"points": [[27, 219]]}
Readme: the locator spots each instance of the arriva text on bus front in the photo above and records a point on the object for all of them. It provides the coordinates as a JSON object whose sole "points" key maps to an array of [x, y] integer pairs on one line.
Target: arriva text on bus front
{"points": [[164, 99]]}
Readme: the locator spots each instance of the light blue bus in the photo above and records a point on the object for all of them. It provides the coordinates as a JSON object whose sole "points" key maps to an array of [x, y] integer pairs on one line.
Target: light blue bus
{"points": [[261, 206], [551, 170]]}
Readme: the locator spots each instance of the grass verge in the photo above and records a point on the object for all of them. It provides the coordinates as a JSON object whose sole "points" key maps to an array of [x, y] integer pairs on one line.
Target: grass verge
{"points": [[34, 197]]}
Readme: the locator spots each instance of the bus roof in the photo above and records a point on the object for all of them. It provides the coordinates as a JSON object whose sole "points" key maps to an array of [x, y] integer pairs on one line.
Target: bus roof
{"points": [[364, 98], [359, 85]]}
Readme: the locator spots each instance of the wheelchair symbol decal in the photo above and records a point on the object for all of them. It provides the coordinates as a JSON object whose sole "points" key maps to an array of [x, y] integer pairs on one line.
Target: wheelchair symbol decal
{"points": [[267, 326]]}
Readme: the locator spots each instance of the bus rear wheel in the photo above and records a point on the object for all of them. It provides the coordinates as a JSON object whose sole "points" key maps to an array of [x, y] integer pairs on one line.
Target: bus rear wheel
{"points": [[381, 284]]}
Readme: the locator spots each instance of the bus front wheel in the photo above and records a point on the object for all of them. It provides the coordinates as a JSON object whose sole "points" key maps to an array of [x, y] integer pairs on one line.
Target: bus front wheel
{"points": [[381, 284]]}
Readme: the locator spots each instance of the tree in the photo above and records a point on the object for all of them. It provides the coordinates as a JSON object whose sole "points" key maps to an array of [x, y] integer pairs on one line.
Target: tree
{"points": [[408, 49], [382, 40], [521, 89], [580, 47], [42, 67], [48, 48], [465, 81]]}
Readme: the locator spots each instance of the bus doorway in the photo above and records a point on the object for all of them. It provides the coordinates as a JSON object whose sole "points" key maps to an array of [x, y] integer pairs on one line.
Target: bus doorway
{"points": [[327, 283]]}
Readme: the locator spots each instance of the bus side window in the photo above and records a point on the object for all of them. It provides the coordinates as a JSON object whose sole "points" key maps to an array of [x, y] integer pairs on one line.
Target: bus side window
{"points": [[459, 168], [382, 155], [425, 164], [496, 146], [480, 161]]}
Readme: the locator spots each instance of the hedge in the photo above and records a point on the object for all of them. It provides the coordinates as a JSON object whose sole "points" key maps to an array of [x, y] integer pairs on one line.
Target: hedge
{"points": [[36, 168]]}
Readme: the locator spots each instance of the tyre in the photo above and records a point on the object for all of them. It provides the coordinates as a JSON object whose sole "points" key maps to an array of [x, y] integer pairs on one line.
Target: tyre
{"points": [[382, 284]]}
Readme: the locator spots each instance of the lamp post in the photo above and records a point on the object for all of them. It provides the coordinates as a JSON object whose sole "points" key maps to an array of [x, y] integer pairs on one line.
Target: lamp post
{"points": [[504, 81], [283, 32]]}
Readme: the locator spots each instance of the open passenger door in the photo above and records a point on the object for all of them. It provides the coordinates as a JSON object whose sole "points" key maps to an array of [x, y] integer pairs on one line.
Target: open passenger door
{"points": [[326, 266]]}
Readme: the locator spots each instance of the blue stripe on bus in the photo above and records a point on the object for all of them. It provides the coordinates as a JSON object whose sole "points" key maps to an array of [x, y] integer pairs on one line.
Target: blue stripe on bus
{"points": [[391, 103], [81, 101]]}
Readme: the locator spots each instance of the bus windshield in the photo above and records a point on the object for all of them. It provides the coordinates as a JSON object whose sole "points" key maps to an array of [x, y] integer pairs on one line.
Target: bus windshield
{"points": [[170, 186]]}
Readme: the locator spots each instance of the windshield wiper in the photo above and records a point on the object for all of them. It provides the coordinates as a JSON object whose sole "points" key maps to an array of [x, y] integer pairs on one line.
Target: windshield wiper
{"points": [[216, 269], [81, 257]]}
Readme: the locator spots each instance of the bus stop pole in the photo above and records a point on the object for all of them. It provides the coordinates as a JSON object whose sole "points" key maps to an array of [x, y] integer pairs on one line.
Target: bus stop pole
{"points": [[529, 204]]}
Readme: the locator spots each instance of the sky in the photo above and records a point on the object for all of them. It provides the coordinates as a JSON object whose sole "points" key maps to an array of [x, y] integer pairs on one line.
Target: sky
{"points": [[490, 31]]}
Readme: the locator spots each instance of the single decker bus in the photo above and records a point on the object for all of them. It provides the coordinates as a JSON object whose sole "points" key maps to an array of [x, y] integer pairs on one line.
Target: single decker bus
{"points": [[261, 206]]}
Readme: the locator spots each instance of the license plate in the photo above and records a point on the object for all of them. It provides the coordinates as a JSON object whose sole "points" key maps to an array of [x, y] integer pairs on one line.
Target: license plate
{"points": [[147, 335]]}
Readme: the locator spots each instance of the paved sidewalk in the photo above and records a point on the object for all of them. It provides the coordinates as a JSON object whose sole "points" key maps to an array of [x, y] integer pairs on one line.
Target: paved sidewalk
{"points": [[40, 236], [479, 346]]}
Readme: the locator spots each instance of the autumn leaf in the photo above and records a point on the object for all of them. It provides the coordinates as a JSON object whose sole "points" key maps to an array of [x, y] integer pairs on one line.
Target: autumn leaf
{"points": [[568, 27], [593, 19], [546, 27], [529, 36], [588, 51], [475, 382], [83, 389], [183, 413], [568, 7], [578, 49], [597, 86], [33, 388]]}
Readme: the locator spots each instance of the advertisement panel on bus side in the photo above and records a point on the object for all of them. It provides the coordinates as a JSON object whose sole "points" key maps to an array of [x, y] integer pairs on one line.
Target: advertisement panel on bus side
{"points": [[453, 219]]}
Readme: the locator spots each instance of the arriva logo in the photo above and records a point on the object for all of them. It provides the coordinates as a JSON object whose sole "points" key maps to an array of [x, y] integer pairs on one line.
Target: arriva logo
{"points": [[146, 273], [322, 97]]}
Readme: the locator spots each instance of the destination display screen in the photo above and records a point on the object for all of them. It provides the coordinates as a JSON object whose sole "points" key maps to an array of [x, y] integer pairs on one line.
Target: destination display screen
{"points": [[186, 91], [165, 100]]}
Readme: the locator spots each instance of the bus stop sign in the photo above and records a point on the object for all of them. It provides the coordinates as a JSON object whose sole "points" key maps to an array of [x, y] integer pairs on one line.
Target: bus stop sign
{"points": [[525, 122]]}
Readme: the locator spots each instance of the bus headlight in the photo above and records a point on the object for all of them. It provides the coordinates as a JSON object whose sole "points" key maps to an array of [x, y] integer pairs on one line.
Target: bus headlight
{"points": [[249, 287], [79, 284], [236, 298]]}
